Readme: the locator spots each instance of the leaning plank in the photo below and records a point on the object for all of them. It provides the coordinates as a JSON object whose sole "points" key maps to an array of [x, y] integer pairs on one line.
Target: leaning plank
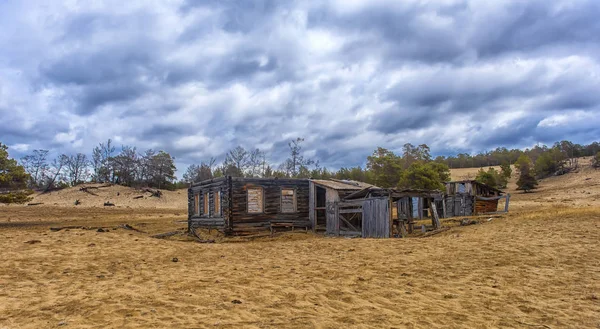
{"points": [[430, 233], [167, 234], [348, 223], [199, 239], [436, 218], [129, 227]]}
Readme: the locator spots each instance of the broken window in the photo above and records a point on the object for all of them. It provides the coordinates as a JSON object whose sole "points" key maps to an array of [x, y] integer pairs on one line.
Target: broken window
{"points": [[255, 200], [288, 200], [217, 198], [196, 204], [206, 203]]}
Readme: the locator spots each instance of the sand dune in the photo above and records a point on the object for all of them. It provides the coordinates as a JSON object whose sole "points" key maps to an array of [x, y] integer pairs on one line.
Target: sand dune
{"points": [[121, 196]]}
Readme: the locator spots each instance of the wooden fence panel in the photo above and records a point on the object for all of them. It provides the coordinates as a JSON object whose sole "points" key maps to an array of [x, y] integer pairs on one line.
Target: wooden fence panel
{"points": [[376, 218]]}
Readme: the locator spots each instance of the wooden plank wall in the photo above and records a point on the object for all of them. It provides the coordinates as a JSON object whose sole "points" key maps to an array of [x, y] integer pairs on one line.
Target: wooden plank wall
{"points": [[459, 205], [312, 200], [485, 206], [214, 219], [333, 220], [375, 218], [243, 223]]}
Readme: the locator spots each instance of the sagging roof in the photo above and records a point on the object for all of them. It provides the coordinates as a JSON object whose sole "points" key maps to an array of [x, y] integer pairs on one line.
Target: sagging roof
{"points": [[472, 181], [395, 193], [337, 184]]}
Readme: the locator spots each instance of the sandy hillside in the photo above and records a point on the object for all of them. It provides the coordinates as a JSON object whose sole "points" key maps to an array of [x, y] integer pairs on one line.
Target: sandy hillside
{"points": [[537, 267], [578, 189], [121, 196]]}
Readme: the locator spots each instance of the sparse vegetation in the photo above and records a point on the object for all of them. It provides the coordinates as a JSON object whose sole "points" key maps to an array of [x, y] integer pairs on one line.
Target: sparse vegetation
{"points": [[13, 179], [527, 180], [596, 161]]}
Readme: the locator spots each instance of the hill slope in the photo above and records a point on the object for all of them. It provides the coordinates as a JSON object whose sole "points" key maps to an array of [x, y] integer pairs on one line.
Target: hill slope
{"points": [[121, 196]]}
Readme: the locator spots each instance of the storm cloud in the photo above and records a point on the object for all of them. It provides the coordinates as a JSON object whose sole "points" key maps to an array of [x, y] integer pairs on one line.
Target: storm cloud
{"points": [[197, 78]]}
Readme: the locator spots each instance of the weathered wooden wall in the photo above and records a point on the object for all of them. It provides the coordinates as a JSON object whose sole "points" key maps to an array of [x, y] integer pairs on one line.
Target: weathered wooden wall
{"points": [[459, 205], [376, 218], [215, 218], [243, 223], [485, 206]]}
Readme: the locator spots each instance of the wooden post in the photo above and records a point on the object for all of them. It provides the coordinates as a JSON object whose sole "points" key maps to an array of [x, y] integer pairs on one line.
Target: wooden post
{"points": [[435, 219], [506, 203], [409, 215], [444, 206], [312, 216], [391, 217], [337, 217]]}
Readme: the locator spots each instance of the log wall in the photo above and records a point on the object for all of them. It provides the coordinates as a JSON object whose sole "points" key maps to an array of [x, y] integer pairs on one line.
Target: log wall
{"points": [[213, 218], [243, 222]]}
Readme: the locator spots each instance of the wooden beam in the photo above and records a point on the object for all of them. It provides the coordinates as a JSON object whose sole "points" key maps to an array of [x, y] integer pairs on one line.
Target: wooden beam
{"points": [[347, 223], [434, 214], [350, 211], [391, 217]]}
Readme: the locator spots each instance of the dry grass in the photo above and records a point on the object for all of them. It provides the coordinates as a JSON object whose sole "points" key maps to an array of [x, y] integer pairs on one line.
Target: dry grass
{"points": [[537, 267]]}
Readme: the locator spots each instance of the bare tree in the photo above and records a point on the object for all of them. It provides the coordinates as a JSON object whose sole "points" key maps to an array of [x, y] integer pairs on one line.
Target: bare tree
{"points": [[256, 163], [77, 168], [238, 158], [102, 160], [296, 160], [36, 165], [56, 171]]}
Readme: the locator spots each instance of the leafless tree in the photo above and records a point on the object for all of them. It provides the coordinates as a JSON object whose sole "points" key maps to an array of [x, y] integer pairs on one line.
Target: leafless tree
{"points": [[36, 165], [77, 168], [102, 160], [296, 160], [56, 171]]}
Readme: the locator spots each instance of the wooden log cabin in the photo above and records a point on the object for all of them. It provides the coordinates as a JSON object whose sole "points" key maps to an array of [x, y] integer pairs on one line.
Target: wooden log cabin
{"points": [[470, 197], [243, 206]]}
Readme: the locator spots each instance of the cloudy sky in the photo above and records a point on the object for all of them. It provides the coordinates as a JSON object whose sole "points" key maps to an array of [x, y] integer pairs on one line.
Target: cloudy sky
{"points": [[196, 78]]}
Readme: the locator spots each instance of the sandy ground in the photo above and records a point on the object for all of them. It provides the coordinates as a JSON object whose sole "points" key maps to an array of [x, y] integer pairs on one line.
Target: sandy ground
{"points": [[121, 196], [538, 267]]}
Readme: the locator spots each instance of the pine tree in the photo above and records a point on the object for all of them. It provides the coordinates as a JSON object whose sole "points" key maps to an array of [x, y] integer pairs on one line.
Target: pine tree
{"points": [[13, 179], [527, 181]]}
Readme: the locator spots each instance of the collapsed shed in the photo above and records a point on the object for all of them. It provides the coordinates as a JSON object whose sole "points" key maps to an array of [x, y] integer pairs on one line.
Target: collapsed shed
{"points": [[323, 194], [470, 197], [383, 213]]}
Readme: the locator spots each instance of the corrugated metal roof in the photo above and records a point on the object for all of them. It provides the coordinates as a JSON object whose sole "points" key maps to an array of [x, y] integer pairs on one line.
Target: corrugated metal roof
{"points": [[341, 184]]}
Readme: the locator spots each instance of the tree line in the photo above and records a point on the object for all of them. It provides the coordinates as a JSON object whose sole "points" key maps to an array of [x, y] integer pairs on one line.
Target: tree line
{"points": [[413, 167], [126, 167]]}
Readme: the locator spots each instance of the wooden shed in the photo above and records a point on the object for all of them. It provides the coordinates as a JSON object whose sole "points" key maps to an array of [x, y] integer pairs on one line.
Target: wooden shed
{"points": [[470, 197], [323, 195], [383, 213], [241, 206]]}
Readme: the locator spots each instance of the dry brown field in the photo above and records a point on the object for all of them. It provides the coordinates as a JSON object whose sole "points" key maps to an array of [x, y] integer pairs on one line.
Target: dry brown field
{"points": [[537, 267]]}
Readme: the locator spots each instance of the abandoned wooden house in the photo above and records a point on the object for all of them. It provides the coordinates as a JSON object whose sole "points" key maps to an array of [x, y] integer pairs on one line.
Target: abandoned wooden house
{"points": [[470, 197], [383, 213], [241, 206]]}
